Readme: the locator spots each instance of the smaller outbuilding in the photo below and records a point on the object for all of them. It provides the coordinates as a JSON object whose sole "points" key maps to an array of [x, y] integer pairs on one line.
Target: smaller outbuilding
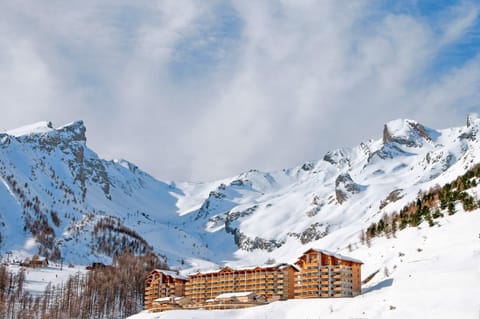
{"points": [[247, 296], [169, 303], [35, 262]]}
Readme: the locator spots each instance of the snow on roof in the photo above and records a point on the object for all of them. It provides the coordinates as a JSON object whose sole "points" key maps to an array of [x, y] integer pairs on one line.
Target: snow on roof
{"points": [[171, 274], [234, 294], [168, 299], [279, 265], [329, 253], [295, 267]]}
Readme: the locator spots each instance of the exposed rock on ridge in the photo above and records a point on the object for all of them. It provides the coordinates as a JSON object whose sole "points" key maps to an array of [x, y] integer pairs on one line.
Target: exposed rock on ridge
{"points": [[345, 187]]}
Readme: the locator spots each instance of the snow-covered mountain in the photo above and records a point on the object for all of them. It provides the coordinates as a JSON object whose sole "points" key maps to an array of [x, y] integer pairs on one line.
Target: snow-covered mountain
{"points": [[59, 197]]}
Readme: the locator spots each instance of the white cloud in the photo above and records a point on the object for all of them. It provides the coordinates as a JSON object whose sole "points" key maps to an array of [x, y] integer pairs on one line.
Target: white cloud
{"points": [[457, 21], [201, 90]]}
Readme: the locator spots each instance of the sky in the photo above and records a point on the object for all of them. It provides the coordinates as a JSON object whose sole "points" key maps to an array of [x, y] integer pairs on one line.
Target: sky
{"points": [[199, 90]]}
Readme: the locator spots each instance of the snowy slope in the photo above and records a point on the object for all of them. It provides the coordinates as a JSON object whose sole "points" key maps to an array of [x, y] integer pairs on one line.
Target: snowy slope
{"points": [[37, 279], [241, 220], [278, 214], [431, 273], [44, 170]]}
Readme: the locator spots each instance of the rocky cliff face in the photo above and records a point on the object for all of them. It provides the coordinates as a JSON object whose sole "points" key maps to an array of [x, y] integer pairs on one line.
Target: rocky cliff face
{"points": [[408, 133], [345, 187]]}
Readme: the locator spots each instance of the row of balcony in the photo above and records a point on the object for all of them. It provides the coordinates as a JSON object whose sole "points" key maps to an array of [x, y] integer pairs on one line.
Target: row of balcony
{"points": [[324, 271], [317, 281], [238, 283], [322, 288], [238, 278], [313, 276], [219, 291], [308, 289], [235, 280], [317, 278], [210, 294], [316, 264]]}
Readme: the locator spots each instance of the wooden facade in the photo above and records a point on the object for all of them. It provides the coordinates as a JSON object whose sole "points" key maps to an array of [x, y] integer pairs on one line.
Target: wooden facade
{"points": [[163, 284], [316, 274], [272, 282], [324, 274]]}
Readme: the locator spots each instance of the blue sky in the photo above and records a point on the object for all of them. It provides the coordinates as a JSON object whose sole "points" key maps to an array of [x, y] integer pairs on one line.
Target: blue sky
{"points": [[434, 13], [199, 90]]}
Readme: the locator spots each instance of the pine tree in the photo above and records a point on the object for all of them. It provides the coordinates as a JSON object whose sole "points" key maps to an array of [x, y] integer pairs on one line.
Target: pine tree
{"points": [[451, 208], [394, 227], [362, 237]]}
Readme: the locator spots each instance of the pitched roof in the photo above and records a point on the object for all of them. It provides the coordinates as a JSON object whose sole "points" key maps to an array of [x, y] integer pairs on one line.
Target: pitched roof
{"points": [[280, 266], [339, 256], [171, 274]]}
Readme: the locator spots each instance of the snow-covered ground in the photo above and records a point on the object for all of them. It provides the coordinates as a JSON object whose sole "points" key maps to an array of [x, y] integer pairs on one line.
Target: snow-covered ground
{"points": [[37, 279], [432, 272]]}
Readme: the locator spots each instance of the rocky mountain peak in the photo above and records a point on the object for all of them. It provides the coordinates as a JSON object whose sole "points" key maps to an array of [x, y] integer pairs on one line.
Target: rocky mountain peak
{"points": [[42, 135], [338, 157], [74, 131], [473, 119], [407, 132]]}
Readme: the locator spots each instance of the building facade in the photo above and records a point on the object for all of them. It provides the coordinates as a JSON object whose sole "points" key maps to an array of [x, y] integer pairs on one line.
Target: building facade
{"points": [[271, 282], [163, 284], [325, 274], [316, 274]]}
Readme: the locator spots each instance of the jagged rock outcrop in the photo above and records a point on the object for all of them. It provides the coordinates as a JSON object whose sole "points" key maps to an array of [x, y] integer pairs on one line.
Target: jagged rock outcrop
{"points": [[472, 119], [247, 243], [313, 232], [388, 151], [308, 166], [338, 157], [408, 133], [345, 187]]}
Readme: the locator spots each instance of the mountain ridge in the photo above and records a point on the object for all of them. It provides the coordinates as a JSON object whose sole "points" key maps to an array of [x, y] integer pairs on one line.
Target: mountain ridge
{"points": [[247, 218]]}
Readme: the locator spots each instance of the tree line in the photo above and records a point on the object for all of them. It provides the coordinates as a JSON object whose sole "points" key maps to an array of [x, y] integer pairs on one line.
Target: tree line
{"points": [[110, 292], [430, 205]]}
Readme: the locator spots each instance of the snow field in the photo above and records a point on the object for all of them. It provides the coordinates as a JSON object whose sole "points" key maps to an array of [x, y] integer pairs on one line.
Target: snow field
{"points": [[433, 272], [37, 279]]}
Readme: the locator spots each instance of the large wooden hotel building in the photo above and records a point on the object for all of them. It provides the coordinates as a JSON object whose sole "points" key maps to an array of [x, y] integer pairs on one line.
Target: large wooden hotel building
{"points": [[316, 274]]}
